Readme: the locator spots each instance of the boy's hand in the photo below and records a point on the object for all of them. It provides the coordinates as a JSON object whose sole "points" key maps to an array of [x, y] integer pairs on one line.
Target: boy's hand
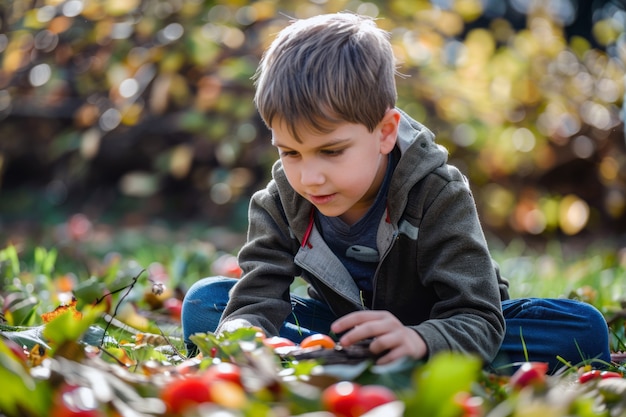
{"points": [[387, 332]]}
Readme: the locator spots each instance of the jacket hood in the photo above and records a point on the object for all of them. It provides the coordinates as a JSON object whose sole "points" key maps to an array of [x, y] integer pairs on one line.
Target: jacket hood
{"points": [[419, 155]]}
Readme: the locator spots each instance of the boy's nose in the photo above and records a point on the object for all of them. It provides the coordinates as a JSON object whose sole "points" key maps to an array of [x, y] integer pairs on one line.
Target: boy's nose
{"points": [[311, 175]]}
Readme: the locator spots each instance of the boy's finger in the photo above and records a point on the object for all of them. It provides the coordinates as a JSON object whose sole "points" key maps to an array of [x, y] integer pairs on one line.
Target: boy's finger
{"points": [[355, 335], [354, 319]]}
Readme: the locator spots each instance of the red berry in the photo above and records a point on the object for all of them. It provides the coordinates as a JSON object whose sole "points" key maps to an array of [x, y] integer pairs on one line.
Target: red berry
{"points": [[174, 306], [372, 396], [277, 342], [530, 373], [183, 393], [342, 399], [349, 399], [470, 406], [597, 374], [223, 371]]}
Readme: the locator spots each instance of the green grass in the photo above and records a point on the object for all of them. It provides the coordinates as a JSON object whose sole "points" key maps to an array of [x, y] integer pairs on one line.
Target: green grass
{"points": [[592, 274]]}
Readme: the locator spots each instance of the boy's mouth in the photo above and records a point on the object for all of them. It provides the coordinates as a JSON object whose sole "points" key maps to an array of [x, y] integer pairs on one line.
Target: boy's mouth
{"points": [[321, 199]]}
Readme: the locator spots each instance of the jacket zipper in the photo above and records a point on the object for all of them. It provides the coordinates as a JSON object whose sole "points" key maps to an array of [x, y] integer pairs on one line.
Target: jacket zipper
{"points": [[374, 281]]}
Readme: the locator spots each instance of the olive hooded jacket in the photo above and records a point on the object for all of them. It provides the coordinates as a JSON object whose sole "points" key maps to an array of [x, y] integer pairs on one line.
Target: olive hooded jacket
{"points": [[436, 274]]}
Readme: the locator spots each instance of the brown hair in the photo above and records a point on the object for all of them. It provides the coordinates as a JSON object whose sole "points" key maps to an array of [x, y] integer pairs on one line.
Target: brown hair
{"points": [[326, 70]]}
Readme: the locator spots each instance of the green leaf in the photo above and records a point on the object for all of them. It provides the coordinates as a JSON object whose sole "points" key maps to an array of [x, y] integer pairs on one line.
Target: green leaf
{"points": [[44, 260], [28, 337], [66, 327], [94, 336], [32, 336], [396, 375], [9, 254], [89, 290], [227, 345], [439, 380], [22, 310], [21, 393], [345, 372]]}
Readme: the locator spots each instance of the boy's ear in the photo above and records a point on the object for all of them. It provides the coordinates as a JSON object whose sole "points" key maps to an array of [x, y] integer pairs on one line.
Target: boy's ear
{"points": [[389, 130]]}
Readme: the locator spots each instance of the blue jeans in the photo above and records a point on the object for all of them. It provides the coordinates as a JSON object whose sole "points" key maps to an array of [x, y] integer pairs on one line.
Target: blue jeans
{"points": [[543, 328]]}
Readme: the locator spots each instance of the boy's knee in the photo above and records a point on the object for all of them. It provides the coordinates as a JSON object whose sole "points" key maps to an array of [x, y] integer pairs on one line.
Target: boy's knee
{"points": [[585, 314], [596, 322], [212, 288], [574, 330], [203, 305], [556, 310], [211, 284]]}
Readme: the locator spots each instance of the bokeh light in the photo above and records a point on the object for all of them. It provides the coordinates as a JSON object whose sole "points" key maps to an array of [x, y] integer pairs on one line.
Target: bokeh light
{"points": [[521, 93]]}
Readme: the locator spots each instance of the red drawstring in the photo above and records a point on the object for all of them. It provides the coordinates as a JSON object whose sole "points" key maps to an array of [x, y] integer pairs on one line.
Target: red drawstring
{"points": [[309, 229]]}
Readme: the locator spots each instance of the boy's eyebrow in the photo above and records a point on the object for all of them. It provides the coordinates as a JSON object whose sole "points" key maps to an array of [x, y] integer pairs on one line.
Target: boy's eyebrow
{"points": [[332, 142]]}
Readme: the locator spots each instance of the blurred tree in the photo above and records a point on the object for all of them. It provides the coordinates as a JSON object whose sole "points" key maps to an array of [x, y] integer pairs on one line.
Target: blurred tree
{"points": [[144, 107]]}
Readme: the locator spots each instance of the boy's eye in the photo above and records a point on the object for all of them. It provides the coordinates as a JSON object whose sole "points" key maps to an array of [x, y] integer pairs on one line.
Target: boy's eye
{"points": [[324, 152], [332, 152]]}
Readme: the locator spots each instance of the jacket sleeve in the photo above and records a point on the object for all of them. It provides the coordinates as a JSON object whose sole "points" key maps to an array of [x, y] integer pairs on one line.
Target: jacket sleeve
{"points": [[261, 296], [454, 260]]}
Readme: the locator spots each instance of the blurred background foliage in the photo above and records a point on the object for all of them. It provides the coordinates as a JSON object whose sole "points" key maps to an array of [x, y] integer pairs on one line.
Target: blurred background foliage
{"points": [[128, 111]]}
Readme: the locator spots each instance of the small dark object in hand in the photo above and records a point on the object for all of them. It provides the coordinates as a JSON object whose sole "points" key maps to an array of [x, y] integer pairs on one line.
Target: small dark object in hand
{"points": [[356, 353]]}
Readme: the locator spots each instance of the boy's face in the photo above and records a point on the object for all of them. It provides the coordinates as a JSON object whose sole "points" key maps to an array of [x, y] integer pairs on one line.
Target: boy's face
{"points": [[338, 172]]}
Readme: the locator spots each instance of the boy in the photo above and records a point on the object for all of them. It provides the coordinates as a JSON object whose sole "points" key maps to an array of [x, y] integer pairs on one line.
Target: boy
{"points": [[364, 207]]}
